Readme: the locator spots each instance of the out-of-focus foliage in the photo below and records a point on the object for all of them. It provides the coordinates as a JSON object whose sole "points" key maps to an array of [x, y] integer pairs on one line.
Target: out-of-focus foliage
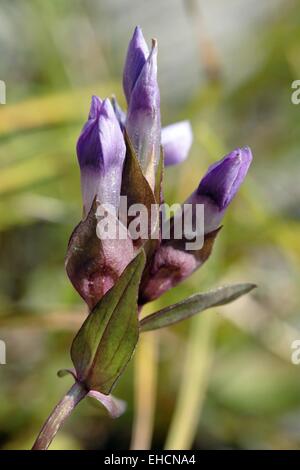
{"points": [[54, 56]]}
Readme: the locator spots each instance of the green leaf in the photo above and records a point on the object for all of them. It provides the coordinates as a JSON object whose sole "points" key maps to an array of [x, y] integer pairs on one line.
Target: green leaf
{"points": [[137, 189], [194, 304], [158, 193], [107, 339], [153, 243], [63, 372]]}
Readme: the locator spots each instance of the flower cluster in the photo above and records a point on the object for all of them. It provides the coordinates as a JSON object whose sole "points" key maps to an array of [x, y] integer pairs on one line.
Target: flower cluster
{"points": [[121, 154]]}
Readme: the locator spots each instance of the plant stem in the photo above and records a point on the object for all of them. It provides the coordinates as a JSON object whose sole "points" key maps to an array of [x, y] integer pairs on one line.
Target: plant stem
{"points": [[58, 416]]}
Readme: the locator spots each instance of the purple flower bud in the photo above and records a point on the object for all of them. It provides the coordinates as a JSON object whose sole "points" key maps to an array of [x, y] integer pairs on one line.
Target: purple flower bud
{"points": [[172, 262], [143, 117], [137, 55], [176, 141], [224, 178], [101, 153], [220, 184]]}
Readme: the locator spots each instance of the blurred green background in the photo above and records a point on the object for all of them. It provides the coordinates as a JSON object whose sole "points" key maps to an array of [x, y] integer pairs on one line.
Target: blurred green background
{"points": [[224, 379]]}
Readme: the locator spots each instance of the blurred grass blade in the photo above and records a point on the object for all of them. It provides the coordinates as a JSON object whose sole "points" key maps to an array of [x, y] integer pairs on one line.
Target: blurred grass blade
{"points": [[51, 109], [145, 390], [194, 382], [193, 305]]}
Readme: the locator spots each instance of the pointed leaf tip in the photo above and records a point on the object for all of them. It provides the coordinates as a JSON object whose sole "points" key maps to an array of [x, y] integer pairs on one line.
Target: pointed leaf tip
{"points": [[193, 305], [63, 372]]}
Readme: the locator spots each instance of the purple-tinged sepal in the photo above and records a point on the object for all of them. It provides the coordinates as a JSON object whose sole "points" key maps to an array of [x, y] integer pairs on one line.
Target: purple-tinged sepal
{"points": [[94, 263], [176, 140], [173, 263], [114, 406]]}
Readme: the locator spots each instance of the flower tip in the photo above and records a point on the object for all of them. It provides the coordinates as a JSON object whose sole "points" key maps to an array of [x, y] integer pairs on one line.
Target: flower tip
{"points": [[247, 153], [136, 57], [224, 178], [114, 101], [154, 43], [152, 58], [243, 153], [242, 158], [106, 103], [107, 109], [138, 42], [95, 107], [151, 63], [138, 32]]}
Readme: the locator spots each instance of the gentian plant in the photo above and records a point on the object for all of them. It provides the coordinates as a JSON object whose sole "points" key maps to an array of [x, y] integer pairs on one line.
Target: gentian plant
{"points": [[123, 155]]}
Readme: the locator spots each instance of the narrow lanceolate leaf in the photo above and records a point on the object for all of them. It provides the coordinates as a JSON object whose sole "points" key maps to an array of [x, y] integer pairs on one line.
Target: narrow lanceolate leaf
{"points": [[194, 304], [106, 340], [153, 243], [158, 192], [138, 191]]}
